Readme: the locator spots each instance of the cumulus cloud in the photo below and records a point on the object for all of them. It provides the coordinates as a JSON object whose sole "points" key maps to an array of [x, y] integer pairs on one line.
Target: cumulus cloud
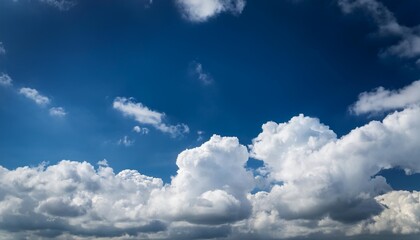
{"points": [[57, 112], [5, 80], [201, 11], [408, 45], [35, 96], [381, 99], [144, 115]]}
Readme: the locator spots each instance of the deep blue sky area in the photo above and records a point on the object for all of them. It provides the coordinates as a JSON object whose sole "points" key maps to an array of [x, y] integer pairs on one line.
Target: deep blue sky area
{"points": [[273, 61]]}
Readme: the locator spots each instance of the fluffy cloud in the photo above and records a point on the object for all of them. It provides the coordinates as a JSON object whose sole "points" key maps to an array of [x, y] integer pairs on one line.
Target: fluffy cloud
{"points": [[5, 80], [381, 100], [77, 199], [57, 112], [318, 185], [35, 96], [200, 11], [144, 115]]}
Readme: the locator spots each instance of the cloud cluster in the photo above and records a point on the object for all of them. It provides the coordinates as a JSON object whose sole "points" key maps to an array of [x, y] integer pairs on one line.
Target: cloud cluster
{"points": [[200, 11], [381, 100], [408, 45], [315, 184], [144, 115]]}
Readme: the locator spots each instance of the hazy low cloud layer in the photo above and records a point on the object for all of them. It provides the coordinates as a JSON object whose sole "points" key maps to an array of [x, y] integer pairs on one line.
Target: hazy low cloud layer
{"points": [[312, 184]]}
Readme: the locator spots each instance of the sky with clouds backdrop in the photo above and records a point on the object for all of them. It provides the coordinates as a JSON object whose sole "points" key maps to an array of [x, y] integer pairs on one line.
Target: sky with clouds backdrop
{"points": [[209, 119]]}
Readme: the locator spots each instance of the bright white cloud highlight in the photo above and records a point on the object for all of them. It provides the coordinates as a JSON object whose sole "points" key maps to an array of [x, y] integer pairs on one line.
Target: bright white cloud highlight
{"points": [[200, 11], [35, 96], [144, 115], [57, 112], [381, 99], [5, 80]]}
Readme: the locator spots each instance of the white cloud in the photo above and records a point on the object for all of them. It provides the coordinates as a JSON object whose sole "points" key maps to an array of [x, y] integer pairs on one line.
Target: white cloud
{"points": [[315, 185], [2, 49], [5, 80], [408, 45], [205, 191], [401, 214], [62, 5], [381, 100], [140, 130], [200, 11], [125, 141], [35, 96], [57, 112], [202, 76], [144, 115]]}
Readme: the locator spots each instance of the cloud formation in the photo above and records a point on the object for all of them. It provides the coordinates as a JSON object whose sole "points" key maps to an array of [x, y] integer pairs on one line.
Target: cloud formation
{"points": [[201, 11], [57, 112], [5, 80], [315, 185], [125, 141], [62, 5], [408, 45], [201, 75], [381, 99], [35, 96], [144, 115]]}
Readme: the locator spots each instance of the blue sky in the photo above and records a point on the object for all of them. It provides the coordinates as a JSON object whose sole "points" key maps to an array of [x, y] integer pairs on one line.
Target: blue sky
{"points": [[145, 85]]}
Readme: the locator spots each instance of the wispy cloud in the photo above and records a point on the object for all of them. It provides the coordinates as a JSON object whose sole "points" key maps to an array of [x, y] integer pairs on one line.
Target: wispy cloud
{"points": [[5, 80], [381, 99], [2, 49], [57, 112], [201, 75], [62, 5], [201, 11], [125, 141], [35, 96], [144, 115], [408, 45]]}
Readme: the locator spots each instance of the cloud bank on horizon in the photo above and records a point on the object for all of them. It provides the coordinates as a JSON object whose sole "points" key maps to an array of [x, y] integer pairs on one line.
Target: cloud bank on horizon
{"points": [[314, 184]]}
